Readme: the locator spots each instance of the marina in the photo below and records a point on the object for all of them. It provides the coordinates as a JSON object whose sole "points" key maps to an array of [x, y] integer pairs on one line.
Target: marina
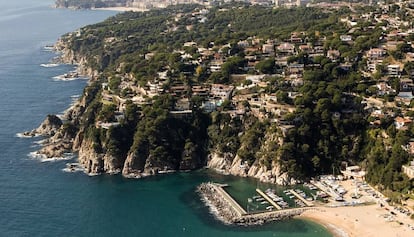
{"points": [[301, 198], [264, 195], [230, 211]]}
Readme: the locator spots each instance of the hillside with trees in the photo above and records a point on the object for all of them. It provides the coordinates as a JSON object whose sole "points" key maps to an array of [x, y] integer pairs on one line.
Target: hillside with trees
{"points": [[265, 92]]}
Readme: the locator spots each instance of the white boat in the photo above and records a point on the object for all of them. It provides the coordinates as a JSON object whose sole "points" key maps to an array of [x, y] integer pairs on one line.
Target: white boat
{"points": [[49, 47]]}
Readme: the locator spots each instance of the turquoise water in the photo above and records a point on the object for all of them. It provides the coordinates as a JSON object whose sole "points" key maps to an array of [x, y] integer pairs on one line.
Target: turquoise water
{"points": [[39, 199]]}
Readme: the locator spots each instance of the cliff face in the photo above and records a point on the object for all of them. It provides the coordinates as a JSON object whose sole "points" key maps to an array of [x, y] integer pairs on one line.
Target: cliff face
{"points": [[235, 166], [95, 162], [265, 168]]}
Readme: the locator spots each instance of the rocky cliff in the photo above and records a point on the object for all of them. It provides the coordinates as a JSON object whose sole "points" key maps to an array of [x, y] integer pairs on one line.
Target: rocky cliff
{"points": [[265, 167], [48, 127]]}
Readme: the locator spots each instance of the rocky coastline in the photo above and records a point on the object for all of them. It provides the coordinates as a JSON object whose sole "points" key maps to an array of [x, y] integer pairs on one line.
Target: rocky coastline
{"points": [[229, 164], [68, 135]]}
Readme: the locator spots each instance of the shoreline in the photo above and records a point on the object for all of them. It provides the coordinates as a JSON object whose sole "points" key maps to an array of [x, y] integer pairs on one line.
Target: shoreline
{"points": [[367, 221], [333, 228]]}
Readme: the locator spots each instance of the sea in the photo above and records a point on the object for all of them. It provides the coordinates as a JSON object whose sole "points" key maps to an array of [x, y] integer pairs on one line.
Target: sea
{"points": [[37, 198]]}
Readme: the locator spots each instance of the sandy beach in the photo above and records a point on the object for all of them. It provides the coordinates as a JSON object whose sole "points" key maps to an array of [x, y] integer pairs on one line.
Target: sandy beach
{"points": [[367, 221]]}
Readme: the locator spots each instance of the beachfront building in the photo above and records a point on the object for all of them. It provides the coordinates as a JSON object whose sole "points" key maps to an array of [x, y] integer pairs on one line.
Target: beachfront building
{"points": [[353, 172]]}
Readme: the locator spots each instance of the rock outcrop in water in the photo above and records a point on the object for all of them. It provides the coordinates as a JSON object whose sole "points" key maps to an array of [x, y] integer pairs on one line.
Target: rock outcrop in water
{"points": [[49, 127]]}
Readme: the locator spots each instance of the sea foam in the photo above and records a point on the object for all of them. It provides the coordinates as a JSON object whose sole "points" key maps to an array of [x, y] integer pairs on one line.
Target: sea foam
{"points": [[43, 158]]}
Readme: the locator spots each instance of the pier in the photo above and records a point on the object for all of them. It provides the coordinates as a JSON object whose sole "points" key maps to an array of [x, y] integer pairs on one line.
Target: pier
{"points": [[264, 195], [307, 203], [265, 217], [236, 206], [328, 191]]}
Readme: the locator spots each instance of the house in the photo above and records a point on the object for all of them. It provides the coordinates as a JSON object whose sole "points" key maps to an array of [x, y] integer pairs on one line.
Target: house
{"points": [[255, 79], [268, 48], [353, 172], [148, 56], [154, 88], [402, 122], [305, 48], [345, 38], [318, 50], [179, 90], [251, 50], [393, 70], [372, 65], [190, 44], [295, 68], [333, 54], [376, 53], [200, 91], [295, 39], [215, 65], [221, 91], [406, 84], [286, 48], [384, 89], [409, 148]]}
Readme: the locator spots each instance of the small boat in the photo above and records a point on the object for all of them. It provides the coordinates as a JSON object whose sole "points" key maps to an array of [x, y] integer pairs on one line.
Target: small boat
{"points": [[339, 199], [277, 199], [48, 47]]}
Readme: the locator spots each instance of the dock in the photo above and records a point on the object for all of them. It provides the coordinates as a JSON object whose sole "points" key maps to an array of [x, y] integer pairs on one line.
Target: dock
{"points": [[236, 206], [325, 189], [307, 203], [264, 195]]}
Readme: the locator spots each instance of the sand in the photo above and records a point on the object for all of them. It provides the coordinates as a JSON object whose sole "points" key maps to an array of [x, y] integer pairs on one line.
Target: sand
{"points": [[367, 221]]}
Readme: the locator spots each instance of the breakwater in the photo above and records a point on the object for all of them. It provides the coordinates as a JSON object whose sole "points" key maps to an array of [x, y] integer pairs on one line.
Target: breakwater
{"points": [[227, 210]]}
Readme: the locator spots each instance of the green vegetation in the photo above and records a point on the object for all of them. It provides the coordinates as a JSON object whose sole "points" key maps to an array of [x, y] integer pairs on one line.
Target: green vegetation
{"points": [[326, 125]]}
